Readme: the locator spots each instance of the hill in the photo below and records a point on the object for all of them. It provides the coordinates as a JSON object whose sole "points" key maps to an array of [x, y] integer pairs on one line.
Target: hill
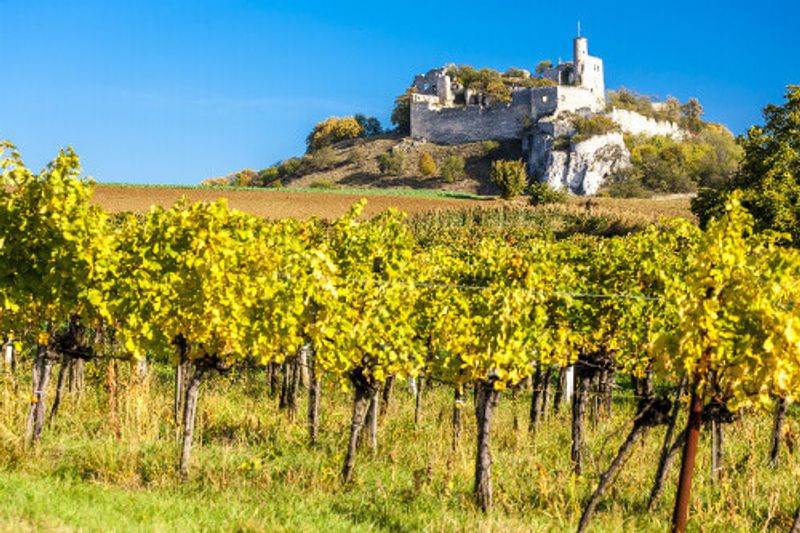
{"points": [[355, 164]]}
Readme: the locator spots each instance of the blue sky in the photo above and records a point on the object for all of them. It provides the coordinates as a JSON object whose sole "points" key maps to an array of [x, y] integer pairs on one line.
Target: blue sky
{"points": [[175, 92]]}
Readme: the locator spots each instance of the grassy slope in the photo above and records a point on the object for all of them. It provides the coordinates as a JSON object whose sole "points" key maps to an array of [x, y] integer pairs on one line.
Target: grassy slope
{"points": [[354, 164], [253, 470]]}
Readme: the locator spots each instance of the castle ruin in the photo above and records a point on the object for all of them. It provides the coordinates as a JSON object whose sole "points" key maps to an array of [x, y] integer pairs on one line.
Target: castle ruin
{"points": [[537, 114], [436, 116]]}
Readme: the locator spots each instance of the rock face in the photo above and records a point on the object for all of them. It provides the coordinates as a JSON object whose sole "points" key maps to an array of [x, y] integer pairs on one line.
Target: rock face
{"points": [[583, 167]]}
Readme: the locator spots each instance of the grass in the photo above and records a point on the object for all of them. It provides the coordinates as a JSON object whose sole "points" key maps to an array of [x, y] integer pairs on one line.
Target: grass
{"points": [[253, 470]]}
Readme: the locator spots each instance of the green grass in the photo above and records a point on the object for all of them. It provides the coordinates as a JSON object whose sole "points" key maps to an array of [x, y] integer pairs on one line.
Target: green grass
{"points": [[407, 192], [253, 469]]}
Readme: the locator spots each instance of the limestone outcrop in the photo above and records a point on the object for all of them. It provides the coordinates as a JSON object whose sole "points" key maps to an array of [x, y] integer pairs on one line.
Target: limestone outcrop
{"points": [[581, 168]]}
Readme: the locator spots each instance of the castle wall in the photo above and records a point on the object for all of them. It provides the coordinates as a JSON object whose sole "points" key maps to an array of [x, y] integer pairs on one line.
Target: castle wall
{"points": [[636, 124], [462, 124], [578, 98]]}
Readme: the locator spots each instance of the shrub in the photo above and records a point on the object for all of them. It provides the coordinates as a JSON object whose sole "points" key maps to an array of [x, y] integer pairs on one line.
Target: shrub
{"points": [[391, 163], [541, 194], [489, 147], [510, 176], [453, 169], [588, 127], [626, 183], [333, 130], [541, 66], [426, 165], [357, 155], [321, 159], [267, 176], [323, 184], [290, 168], [215, 182], [245, 178]]}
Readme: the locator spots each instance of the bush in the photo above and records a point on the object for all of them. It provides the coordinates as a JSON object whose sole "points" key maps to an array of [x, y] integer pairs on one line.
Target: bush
{"points": [[489, 147], [333, 130], [290, 169], [267, 176], [245, 178], [323, 184], [541, 194], [391, 163], [321, 159], [357, 155], [453, 169], [426, 165], [588, 127], [510, 176]]}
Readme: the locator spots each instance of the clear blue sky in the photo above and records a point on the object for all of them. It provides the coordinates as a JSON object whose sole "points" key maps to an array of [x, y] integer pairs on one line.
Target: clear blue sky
{"points": [[175, 92]]}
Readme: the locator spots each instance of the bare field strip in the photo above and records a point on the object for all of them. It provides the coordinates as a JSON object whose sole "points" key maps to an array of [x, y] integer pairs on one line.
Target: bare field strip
{"points": [[303, 204], [271, 203]]}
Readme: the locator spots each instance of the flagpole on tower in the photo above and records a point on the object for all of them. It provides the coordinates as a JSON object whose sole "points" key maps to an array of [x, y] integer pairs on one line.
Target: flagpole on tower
{"points": [[579, 27]]}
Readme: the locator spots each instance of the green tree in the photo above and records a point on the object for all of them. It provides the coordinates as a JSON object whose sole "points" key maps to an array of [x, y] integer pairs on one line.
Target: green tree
{"points": [[510, 176], [769, 172], [401, 114], [371, 126]]}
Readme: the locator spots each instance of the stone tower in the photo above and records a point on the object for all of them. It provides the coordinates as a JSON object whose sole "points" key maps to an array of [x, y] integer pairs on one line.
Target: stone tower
{"points": [[588, 70]]}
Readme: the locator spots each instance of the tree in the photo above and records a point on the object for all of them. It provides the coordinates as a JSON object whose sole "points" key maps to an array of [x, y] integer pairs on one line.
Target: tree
{"points": [[371, 126], [332, 130], [511, 177], [769, 172], [401, 114]]}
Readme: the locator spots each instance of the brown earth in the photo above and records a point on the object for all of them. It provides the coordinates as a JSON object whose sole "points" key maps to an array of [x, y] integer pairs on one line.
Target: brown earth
{"points": [[283, 203], [271, 203]]}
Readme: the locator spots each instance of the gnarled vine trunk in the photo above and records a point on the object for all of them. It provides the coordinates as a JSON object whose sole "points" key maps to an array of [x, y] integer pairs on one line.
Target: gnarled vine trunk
{"points": [[484, 412], [42, 366], [650, 413], [314, 390], [371, 421], [583, 378], [63, 371], [777, 429], [388, 388], [668, 448], [363, 391], [190, 416], [536, 399]]}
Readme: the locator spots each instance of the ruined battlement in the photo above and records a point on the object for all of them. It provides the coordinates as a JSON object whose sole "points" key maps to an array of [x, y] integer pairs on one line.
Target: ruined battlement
{"points": [[444, 112], [539, 114]]}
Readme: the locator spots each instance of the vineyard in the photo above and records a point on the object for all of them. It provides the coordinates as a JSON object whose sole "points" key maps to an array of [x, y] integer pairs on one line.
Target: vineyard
{"points": [[393, 373]]}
